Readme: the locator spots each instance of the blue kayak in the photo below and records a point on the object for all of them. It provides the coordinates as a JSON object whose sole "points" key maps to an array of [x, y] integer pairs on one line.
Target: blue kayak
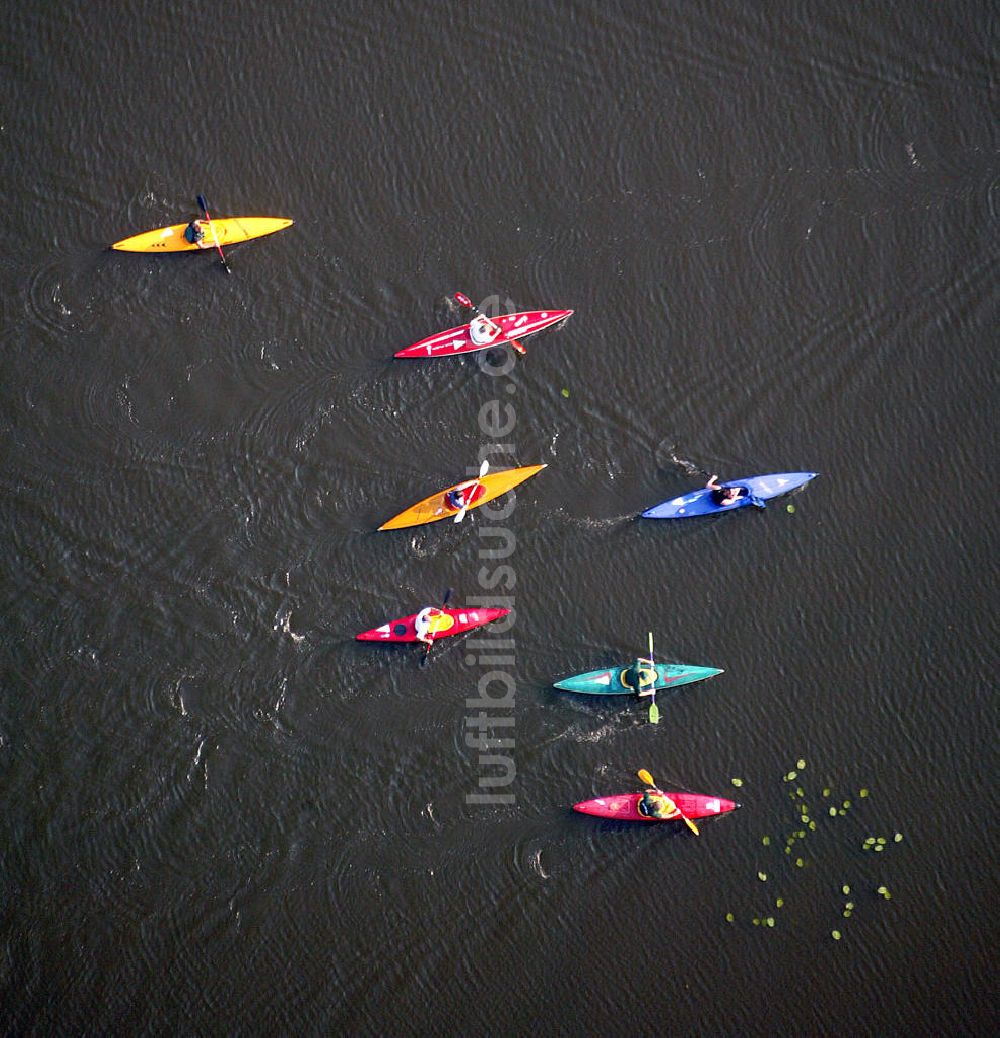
{"points": [[700, 502]]}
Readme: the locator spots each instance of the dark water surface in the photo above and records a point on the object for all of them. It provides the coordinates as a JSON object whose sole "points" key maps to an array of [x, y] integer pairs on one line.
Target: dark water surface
{"points": [[777, 224]]}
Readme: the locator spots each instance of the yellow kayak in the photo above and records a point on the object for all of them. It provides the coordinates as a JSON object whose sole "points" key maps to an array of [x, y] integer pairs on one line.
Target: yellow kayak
{"points": [[436, 507], [230, 229]]}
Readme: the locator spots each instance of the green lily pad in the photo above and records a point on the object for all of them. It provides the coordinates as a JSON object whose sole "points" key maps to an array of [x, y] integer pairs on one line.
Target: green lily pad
{"points": [[847, 913], [730, 918], [766, 841], [898, 838], [846, 804], [779, 903], [737, 782], [805, 819], [849, 906], [800, 764], [878, 847], [769, 920], [799, 863], [835, 934], [762, 876], [812, 827], [827, 792], [862, 793], [790, 509], [791, 776], [846, 889], [756, 922], [833, 812], [881, 841]]}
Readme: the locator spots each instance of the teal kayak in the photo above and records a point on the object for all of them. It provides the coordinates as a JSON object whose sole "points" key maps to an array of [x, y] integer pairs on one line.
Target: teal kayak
{"points": [[613, 682]]}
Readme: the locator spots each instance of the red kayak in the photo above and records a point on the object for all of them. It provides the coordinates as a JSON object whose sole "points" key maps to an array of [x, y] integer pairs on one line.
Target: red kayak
{"points": [[444, 625], [458, 340], [625, 807]]}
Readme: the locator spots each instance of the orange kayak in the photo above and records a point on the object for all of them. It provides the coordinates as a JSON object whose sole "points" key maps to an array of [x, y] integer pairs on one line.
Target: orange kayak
{"points": [[436, 507]]}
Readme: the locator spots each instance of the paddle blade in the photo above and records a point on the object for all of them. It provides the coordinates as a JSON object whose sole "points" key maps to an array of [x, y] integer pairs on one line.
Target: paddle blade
{"points": [[447, 595], [654, 713], [462, 298], [517, 346], [691, 825], [202, 203], [644, 776], [461, 515]]}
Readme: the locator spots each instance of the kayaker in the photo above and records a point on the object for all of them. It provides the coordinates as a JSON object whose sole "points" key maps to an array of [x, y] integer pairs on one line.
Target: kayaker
{"points": [[194, 233], [637, 677], [461, 495], [723, 496], [482, 330], [422, 623], [656, 804]]}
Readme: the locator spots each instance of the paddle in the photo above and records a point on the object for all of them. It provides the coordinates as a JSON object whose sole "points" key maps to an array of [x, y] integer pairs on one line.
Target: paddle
{"points": [[483, 469], [644, 776], [466, 301], [427, 649], [203, 205], [654, 710]]}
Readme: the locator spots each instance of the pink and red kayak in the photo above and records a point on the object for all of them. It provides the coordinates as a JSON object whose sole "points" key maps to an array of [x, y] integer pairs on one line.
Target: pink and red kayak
{"points": [[625, 807], [458, 340], [447, 623]]}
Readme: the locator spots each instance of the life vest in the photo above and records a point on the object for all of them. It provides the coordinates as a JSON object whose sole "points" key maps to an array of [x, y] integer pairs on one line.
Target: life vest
{"points": [[655, 804], [482, 331], [422, 621], [638, 678], [193, 233], [721, 496]]}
